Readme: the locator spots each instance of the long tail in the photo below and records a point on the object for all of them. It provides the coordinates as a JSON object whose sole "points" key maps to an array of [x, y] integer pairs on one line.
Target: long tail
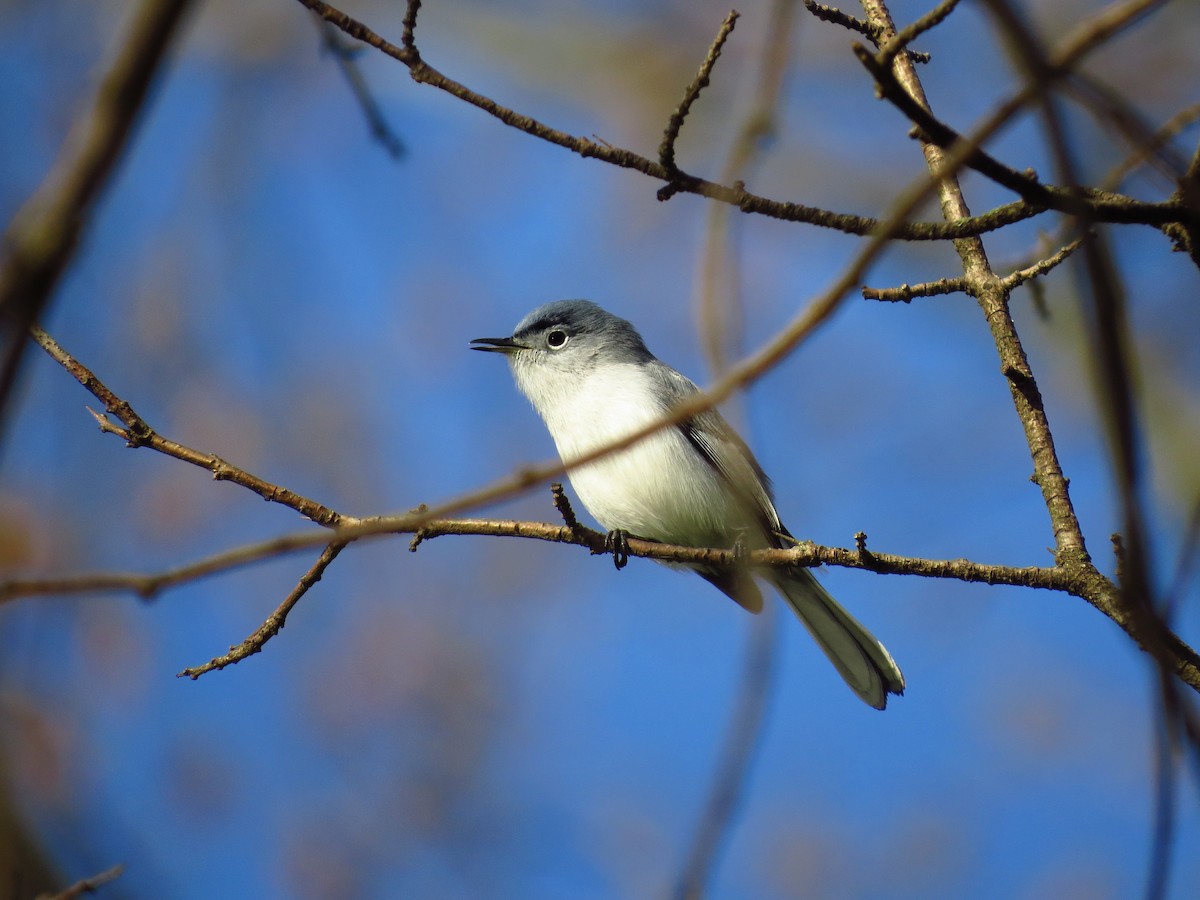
{"points": [[862, 661]]}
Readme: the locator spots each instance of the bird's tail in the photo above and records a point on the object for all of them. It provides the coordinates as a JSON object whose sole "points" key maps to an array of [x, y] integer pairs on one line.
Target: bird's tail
{"points": [[862, 661]]}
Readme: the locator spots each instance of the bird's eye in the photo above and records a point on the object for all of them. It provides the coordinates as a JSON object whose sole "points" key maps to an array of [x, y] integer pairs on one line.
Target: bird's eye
{"points": [[556, 339]]}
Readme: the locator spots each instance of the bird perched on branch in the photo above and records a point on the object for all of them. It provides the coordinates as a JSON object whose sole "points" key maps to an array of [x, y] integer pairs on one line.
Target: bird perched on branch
{"points": [[694, 483]]}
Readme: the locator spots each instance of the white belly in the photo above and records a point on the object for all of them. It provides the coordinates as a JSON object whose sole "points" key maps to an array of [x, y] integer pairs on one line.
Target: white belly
{"points": [[659, 488]]}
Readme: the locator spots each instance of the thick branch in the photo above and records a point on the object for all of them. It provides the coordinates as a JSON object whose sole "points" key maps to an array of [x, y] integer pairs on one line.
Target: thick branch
{"points": [[42, 237], [992, 294]]}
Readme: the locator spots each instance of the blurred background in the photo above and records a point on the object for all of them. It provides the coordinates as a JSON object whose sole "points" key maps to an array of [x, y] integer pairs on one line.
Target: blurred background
{"points": [[507, 718]]}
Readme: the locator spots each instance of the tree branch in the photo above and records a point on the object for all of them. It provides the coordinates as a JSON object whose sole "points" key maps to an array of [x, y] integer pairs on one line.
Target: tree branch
{"points": [[136, 433], [905, 36], [666, 151], [42, 236], [1097, 204], [992, 295], [86, 885], [345, 55], [735, 195], [275, 622], [1085, 583], [906, 293]]}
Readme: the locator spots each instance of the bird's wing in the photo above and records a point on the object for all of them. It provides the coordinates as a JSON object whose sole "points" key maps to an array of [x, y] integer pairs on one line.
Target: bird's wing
{"points": [[721, 447]]}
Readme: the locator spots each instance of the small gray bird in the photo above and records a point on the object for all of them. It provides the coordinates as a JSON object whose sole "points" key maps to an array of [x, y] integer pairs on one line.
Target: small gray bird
{"points": [[696, 484]]}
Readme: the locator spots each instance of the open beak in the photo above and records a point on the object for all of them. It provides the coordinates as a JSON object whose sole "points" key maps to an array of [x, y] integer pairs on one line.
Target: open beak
{"points": [[496, 345]]}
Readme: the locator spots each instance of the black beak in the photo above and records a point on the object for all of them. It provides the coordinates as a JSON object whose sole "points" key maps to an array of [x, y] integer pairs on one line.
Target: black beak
{"points": [[496, 345]]}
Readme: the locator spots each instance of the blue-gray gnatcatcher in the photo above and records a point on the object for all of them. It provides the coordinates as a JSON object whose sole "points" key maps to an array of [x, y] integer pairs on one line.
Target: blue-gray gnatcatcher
{"points": [[696, 483]]}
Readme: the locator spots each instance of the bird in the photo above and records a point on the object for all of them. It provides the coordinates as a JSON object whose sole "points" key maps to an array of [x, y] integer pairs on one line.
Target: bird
{"points": [[695, 483]]}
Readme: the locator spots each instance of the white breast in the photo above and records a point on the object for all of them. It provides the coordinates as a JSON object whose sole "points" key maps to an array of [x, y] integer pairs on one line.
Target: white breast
{"points": [[660, 487]]}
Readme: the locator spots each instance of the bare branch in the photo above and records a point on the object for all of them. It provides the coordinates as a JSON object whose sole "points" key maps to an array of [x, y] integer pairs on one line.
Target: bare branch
{"points": [[666, 151], [1082, 582], [1170, 215], [735, 195], [86, 885], [987, 288], [906, 293], [1041, 267], [345, 55], [136, 433], [905, 36], [835, 16], [1169, 129], [802, 554], [1096, 204], [1135, 603], [42, 237], [275, 622]]}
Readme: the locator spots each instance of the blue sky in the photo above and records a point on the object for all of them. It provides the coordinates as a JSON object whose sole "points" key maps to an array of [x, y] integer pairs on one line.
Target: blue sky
{"points": [[504, 718]]}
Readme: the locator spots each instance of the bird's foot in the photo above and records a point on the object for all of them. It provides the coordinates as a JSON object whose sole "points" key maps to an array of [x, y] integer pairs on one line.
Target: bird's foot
{"points": [[616, 542]]}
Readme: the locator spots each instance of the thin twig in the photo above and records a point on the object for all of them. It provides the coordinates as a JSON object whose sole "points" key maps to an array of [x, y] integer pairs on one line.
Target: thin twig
{"points": [[137, 433], [86, 885], [1119, 116], [905, 36], [345, 55], [563, 505], [274, 623], [1041, 267], [721, 315], [1158, 139], [906, 293], [666, 150], [719, 301]]}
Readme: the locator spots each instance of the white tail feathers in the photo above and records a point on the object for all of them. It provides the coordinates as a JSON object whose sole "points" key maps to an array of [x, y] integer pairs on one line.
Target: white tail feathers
{"points": [[863, 662]]}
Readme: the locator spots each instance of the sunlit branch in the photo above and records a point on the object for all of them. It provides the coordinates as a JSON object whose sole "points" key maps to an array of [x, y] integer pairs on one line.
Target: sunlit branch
{"points": [[137, 433]]}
